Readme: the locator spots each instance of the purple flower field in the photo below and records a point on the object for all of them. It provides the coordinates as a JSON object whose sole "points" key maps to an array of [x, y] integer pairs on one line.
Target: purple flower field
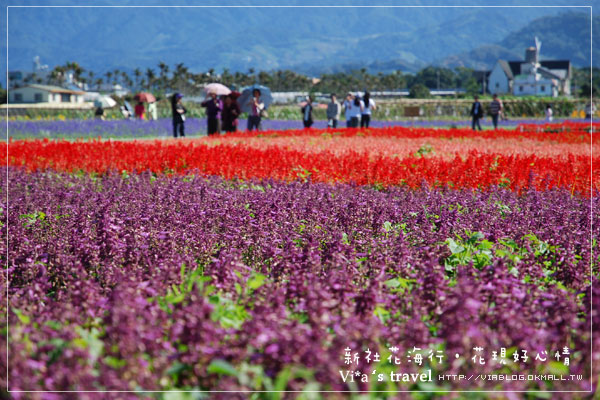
{"points": [[197, 127], [126, 282]]}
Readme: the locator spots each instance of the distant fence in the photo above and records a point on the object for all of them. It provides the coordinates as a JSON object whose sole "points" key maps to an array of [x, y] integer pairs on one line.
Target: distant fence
{"points": [[387, 109]]}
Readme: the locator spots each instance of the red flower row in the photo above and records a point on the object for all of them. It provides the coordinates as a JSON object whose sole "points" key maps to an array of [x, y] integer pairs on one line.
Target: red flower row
{"points": [[565, 132], [469, 170]]}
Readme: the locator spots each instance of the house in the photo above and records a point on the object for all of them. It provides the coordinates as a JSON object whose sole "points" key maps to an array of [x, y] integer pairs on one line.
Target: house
{"points": [[501, 78], [531, 77], [110, 88], [45, 94]]}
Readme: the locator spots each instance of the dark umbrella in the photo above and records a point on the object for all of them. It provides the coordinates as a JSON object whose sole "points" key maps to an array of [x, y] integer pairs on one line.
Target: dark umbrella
{"points": [[246, 96]]}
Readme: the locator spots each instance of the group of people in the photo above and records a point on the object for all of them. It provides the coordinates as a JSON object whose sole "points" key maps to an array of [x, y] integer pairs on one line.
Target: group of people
{"points": [[496, 109], [222, 113], [356, 111], [140, 111]]}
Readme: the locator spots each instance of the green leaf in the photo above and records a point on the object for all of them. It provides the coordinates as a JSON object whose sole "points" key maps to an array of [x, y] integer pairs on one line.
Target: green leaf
{"points": [[454, 247], [89, 339], [221, 367], [256, 281], [558, 368], [53, 324], [387, 226], [114, 362], [177, 368], [22, 317], [485, 245], [381, 313], [282, 379], [392, 283]]}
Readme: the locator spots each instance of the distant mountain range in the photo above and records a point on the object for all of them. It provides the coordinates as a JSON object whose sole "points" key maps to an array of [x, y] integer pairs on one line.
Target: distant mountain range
{"points": [[307, 40], [564, 37]]}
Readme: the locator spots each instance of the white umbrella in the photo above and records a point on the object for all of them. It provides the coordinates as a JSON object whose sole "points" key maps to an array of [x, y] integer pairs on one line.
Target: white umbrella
{"points": [[105, 102], [219, 89]]}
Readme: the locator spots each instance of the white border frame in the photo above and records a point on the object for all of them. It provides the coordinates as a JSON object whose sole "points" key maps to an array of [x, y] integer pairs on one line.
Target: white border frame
{"points": [[313, 391]]}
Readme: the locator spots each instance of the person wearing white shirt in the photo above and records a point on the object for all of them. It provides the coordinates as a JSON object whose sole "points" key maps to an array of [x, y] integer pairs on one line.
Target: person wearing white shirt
{"points": [[152, 111], [368, 106], [549, 113], [353, 106], [256, 108]]}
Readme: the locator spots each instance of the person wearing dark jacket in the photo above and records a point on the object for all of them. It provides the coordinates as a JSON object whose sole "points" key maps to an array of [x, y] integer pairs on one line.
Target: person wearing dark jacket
{"points": [[231, 112], [476, 113], [213, 113], [99, 114], [495, 110], [307, 117], [178, 111]]}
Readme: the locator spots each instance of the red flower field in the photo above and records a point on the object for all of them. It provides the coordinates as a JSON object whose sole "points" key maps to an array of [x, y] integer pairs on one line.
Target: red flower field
{"points": [[382, 157]]}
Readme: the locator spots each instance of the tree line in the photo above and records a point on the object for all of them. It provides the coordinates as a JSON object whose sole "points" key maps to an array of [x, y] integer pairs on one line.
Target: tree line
{"points": [[165, 78]]}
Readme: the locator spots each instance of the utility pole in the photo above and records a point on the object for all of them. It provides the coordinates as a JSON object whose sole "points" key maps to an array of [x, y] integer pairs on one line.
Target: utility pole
{"points": [[438, 80]]}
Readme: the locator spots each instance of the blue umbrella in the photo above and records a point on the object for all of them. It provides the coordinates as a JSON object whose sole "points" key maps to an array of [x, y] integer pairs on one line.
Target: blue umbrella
{"points": [[128, 106], [246, 96]]}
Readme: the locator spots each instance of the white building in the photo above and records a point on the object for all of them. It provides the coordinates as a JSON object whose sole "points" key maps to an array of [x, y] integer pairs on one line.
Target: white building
{"points": [[531, 77], [535, 85], [45, 94], [501, 78]]}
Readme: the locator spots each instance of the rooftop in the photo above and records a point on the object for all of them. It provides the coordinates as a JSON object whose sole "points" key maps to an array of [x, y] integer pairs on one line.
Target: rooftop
{"points": [[54, 89]]}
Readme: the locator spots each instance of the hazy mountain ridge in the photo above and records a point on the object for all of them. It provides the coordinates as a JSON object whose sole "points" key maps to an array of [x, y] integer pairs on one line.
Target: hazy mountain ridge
{"points": [[308, 40], [564, 37]]}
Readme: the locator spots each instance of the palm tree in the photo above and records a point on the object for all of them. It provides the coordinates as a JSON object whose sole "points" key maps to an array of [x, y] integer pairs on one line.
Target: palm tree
{"points": [[163, 78], [116, 76], [138, 75], [57, 75], [91, 77], [226, 78], [150, 77]]}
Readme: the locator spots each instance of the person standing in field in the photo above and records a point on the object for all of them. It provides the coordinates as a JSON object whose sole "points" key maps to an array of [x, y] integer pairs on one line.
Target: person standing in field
{"points": [[358, 109], [495, 110], [307, 118], [368, 106], [256, 109], [231, 112], [476, 113], [152, 112], [140, 110], [590, 109], [348, 109], [213, 113], [99, 114], [178, 111], [353, 107], [549, 113], [333, 112]]}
